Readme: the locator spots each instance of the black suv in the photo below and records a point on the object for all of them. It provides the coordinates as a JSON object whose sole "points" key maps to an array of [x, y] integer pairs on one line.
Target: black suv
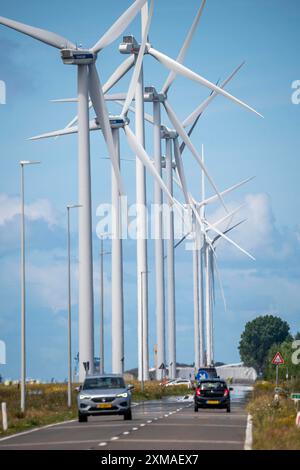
{"points": [[212, 393]]}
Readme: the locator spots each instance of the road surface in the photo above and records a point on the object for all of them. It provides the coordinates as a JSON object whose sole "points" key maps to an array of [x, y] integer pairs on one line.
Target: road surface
{"points": [[157, 425]]}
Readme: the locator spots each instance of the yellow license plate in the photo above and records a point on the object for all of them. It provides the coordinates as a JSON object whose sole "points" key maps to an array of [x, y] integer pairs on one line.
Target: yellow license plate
{"points": [[104, 406], [213, 402]]}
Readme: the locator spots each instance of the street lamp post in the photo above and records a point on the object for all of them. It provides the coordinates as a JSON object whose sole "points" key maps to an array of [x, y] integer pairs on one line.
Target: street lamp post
{"points": [[23, 293], [69, 207]]}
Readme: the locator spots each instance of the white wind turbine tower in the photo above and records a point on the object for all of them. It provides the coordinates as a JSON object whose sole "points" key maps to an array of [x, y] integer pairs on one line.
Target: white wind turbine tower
{"points": [[87, 78], [208, 253]]}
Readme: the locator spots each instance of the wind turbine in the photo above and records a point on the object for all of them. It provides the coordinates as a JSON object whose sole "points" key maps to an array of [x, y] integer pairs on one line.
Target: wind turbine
{"points": [[87, 80], [212, 266], [199, 229], [207, 262], [169, 136]]}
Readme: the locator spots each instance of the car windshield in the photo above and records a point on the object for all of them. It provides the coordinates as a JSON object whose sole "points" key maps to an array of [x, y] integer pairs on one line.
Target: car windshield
{"points": [[212, 385], [103, 383]]}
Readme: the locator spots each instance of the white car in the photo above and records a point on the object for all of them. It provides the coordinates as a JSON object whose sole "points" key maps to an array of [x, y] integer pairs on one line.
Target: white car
{"points": [[176, 382]]}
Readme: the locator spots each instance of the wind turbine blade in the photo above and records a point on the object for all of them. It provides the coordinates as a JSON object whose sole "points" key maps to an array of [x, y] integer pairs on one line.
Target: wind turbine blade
{"points": [[203, 191], [180, 169], [47, 37], [71, 130], [138, 64], [100, 108], [180, 130], [119, 26], [119, 73], [228, 216], [138, 150], [216, 268], [110, 97], [229, 230], [115, 97], [181, 57], [148, 117], [65, 100], [115, 77], [214, 229], [182, 70], [181, 241], [212, 199], [182, 147], [144, 17], [201, 108]]}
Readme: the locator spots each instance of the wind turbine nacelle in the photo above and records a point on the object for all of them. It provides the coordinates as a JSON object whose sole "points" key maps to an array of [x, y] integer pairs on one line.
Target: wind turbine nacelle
{"points": [[116, 122], [167, 133], [78, 57], [129, 45], [151, 95]]}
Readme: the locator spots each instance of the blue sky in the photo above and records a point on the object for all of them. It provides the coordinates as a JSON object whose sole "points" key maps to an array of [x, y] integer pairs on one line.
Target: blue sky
{"points": [[264, 33]]}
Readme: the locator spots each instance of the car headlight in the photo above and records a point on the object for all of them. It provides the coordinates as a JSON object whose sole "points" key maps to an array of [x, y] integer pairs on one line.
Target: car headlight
{"points": [[122, 395], [84, 397]]}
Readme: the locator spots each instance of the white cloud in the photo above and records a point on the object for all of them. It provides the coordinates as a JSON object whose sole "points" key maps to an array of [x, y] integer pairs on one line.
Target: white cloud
{"points": [[41, 209], [49, 284]]}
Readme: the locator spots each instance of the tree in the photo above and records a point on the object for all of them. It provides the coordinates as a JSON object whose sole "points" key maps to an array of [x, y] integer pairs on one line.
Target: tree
{"points": [[286, 350], [259, 336]]}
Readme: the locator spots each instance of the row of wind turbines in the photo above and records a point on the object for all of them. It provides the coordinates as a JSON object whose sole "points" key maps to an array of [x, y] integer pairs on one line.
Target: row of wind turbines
{"points": [[176, 139]]}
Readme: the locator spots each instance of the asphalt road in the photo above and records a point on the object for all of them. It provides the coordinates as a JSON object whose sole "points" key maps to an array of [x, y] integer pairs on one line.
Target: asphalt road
{"points": [[169, 425]]}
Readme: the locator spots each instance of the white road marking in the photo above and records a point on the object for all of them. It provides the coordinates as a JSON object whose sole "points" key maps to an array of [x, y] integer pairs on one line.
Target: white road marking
{"points": [[181, 441], [103, 444], [202, 425], [54, 443], [24, 433]]}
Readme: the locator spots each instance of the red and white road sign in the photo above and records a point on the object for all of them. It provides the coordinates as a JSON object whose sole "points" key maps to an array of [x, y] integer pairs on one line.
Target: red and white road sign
{"points": [[278, 359]]}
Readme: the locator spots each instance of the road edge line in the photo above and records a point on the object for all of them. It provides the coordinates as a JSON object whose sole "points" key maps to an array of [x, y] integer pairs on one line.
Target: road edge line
{"points": [[249, 433], [30, 431]]}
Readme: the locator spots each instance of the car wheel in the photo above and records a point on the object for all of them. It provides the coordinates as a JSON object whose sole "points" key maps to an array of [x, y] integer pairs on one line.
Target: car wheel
{"points": [[128, 415], [82, 418], [228, 409], [196, 409]]}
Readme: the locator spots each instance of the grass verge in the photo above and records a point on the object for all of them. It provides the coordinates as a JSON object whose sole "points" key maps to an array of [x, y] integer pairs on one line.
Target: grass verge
{"points": [[274, 421]]}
